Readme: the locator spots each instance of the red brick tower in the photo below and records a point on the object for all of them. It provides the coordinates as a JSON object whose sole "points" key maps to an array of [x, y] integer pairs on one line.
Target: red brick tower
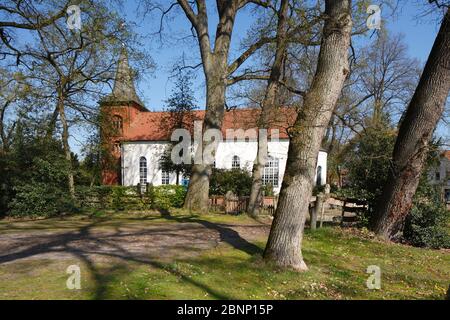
{"points": [[118, 111]]}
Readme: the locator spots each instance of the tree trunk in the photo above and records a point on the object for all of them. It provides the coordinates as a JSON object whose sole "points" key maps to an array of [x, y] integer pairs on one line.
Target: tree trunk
{"points": [[268, 105], [4, 140], [284, 244], [197, 197], [215, 67], [65, 141], [416, 130], [254, 202], [52, 123]]}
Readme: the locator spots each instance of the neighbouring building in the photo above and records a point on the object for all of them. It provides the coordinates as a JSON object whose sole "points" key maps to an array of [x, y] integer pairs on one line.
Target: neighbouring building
{"points": [[140, 138], [440, 175]]}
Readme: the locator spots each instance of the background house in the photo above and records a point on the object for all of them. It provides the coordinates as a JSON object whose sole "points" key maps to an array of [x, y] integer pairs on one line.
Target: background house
{"points": [[440, 175]]}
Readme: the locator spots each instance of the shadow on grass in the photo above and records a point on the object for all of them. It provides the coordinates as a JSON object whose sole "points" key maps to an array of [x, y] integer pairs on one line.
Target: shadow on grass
{"points": [[66, 242]]}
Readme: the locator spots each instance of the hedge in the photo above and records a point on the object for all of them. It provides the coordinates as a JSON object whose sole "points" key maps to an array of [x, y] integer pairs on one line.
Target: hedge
{"points": [[130, 198]]}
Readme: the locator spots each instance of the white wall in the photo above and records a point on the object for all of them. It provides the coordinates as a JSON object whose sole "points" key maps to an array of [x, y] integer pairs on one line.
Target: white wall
{"points": [[442, 168], [246, 151], [132, 152]]}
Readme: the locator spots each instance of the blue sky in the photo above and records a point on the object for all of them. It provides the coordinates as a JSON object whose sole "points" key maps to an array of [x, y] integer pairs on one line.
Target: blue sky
{"points": [[419, 35], [155, 87]]}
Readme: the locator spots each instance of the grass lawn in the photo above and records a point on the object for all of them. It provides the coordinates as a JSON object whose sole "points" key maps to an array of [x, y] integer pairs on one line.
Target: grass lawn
{"points": [[136, 256]]}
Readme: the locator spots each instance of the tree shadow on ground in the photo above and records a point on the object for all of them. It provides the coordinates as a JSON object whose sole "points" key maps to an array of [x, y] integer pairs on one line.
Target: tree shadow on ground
{"points": [[68, 242], [227, 234]]}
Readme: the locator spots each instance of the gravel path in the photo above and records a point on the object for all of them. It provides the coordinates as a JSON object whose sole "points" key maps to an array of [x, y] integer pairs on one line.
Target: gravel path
{"points": [[128, 240]]}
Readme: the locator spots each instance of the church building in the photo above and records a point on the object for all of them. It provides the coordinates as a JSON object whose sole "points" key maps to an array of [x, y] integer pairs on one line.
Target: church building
{"points": [[142, 136]]}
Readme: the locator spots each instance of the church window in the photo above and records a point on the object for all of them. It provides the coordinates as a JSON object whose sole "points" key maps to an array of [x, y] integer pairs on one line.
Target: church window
{"points": [[271, 172], [165, 177], [143, 171], [235, 163], [117, 123]]}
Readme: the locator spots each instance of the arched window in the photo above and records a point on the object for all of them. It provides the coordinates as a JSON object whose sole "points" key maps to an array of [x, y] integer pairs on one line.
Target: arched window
{"points": [[143, 171], [319, 176], [117, 123], [271, 172], [165, 175], [116, 148], [236, 163]]}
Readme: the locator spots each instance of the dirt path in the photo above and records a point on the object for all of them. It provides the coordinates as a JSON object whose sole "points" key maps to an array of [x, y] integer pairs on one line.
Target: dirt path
{"points": [[132, 240]]}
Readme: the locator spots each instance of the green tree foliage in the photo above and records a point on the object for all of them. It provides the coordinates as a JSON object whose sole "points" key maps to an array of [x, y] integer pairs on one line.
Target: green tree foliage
{"points": [[182, 102], [367, 159], [427, 224], [180, 106], [33, 178], [90, 169], [33, 171], [237, 181]]}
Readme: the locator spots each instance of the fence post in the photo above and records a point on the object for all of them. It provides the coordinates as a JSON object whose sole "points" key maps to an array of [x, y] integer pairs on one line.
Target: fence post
{"points": [[229, 203], [316, 210], [327, 196]]}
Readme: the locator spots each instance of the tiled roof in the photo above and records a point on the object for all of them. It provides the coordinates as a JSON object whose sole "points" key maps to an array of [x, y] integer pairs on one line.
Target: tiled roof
{"points": [[155, 126], [446, 154]]}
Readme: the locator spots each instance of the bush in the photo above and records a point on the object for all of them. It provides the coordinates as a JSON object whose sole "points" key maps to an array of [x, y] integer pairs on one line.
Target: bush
{"points": [[427, 223], [45, 191], [168, 196], [118, 198], [268, 190], [367, 159], [237, 181], [128, 198], [40, 200], [103, 194], [97, 197]]}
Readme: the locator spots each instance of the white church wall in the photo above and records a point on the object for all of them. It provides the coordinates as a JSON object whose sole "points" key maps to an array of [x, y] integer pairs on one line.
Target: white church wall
{"points": [[131, 154], [246, 151], [322, 161]]}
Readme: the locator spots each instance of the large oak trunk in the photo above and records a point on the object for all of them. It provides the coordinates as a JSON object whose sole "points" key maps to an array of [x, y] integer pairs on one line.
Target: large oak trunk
{"points": [[284, 244], [416, 130], [254, 202], [215, 67], [267, 107], [197, 197]]}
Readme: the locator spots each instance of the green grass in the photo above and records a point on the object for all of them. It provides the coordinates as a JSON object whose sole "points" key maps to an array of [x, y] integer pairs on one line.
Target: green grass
{"points": [[337, 259]]}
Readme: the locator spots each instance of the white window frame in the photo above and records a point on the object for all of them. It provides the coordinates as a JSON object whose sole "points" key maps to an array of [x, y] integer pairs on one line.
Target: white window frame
{"points": [[235, 162], [143, 171], [165, 177], [271, 172]]}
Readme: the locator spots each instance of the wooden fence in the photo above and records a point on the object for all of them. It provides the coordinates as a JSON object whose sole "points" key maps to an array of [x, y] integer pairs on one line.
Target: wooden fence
{"points": [[351, 209]]}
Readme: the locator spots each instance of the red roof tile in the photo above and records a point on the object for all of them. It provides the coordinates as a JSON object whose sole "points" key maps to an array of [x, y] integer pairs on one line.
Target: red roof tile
{"points": [[153, 126], [446, 154]]}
